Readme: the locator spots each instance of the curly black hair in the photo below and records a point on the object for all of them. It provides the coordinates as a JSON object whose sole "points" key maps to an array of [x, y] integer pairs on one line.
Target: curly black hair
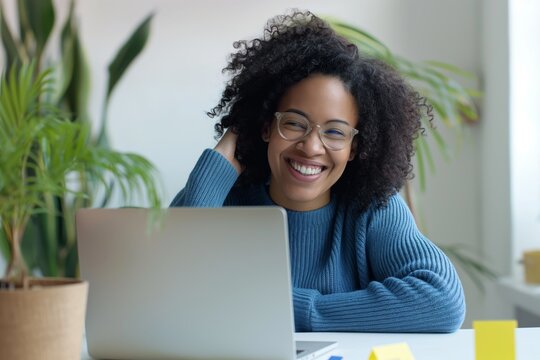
{"points": [[293, 47]]}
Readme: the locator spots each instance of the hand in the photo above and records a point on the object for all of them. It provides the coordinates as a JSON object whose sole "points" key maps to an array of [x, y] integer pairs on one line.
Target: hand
{"points": [[227, 146]]}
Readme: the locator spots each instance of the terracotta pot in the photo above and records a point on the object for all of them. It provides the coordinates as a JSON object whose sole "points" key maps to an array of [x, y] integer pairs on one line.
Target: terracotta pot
{"points": [[43, 322]]}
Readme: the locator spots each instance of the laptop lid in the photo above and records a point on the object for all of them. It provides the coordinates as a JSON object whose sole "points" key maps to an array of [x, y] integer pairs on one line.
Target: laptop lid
{"points": [[209, 284]]}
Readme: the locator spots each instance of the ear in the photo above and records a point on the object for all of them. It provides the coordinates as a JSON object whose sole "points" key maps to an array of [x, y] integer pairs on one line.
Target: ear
{"points": [[354, 148]]}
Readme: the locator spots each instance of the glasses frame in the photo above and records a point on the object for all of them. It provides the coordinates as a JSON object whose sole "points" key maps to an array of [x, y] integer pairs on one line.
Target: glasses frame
{"points": [[279, 115]]}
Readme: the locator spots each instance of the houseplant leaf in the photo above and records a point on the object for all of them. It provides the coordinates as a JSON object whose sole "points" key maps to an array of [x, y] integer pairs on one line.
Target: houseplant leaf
{"points": [[40, 16], [11, 49], [365, 41], [75, 88], [123, 59]]}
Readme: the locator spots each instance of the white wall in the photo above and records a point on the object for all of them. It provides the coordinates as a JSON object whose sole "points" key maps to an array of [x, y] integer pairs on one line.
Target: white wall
{"points": [[494, 160], [525, 128], [158, 109]]}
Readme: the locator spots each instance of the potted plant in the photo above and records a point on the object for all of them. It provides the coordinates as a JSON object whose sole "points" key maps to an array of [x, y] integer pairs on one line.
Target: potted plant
{"points": [[49, 245], [44, 155]]}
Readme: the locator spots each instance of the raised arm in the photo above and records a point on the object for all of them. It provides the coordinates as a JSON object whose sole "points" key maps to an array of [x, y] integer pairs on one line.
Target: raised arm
{"points": [[413, 288], [213, 176]]}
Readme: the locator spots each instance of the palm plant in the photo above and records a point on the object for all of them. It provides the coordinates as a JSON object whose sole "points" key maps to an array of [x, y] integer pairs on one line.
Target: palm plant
{"points": [[55, 254], [453, 106], [44, 155]]}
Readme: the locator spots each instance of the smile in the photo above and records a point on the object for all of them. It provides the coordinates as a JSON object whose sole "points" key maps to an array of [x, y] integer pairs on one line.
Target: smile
{"points": [[306, 170]]}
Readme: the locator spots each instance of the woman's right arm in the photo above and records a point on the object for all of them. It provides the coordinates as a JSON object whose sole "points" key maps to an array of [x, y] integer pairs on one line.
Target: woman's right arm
{"points": [[213, 176]]}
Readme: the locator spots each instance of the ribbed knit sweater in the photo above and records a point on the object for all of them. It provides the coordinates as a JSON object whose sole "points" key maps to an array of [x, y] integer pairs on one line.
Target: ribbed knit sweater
{"points": [[373, 272]]}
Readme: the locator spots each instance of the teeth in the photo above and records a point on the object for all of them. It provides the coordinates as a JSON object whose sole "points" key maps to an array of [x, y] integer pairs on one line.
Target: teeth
{"points": [[306, 170]]}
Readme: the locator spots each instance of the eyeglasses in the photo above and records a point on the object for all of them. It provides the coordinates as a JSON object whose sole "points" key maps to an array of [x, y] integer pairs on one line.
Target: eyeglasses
{"points": [[334, 135]]}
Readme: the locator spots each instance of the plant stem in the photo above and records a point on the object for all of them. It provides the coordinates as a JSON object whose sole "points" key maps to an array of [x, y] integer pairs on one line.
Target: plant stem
{"points": [[16, 270], [51, 230]]}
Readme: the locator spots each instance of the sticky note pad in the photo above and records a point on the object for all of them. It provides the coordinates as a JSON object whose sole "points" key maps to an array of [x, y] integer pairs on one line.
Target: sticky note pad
{"points": [[399, 351], [495, 340]]}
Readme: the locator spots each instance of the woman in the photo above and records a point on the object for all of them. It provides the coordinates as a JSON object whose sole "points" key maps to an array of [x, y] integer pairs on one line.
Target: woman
{"points": [[315, 127]]}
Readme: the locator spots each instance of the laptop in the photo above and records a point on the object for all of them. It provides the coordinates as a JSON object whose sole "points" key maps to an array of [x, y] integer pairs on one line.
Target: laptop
{"points": [[202, 283]]}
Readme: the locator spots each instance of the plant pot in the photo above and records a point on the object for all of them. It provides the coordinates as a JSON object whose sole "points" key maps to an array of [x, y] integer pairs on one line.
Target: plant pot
{"points": [[43, 322]]}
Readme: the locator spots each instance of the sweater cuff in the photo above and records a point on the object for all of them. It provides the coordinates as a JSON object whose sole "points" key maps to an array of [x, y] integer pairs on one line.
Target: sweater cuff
{"points": [[303, 304], [210, 181]]}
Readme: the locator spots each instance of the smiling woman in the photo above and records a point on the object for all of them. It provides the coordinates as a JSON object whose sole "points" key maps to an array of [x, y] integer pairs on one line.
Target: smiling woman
{"points": [[310, 124], [304, 168]]}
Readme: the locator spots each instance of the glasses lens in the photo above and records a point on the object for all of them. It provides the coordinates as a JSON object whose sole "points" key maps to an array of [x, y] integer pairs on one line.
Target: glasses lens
{"points": [[292, 126], [335, 135]]}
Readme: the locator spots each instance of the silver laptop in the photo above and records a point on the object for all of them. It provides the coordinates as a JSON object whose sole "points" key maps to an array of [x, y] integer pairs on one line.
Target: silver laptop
{"points": [[204, 284]]}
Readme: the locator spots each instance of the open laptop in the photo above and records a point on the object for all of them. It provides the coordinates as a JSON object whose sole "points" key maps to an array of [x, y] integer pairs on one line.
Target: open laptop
{"points": [[205, 284]]}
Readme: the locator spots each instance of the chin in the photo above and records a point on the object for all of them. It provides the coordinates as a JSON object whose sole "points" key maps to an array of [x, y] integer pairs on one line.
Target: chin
{"points": [[304, 201]]}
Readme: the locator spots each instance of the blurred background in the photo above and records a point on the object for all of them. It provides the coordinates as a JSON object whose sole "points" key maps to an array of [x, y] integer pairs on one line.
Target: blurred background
{"points": [[485, 198]]}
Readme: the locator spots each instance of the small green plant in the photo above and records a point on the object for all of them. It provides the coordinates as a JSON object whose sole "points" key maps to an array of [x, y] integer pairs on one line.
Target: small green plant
{"points": [[54, 253], [44, 155]]}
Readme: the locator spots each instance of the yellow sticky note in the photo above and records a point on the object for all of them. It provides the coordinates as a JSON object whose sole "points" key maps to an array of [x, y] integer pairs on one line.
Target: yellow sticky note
{"points": [[495, 340], [399, 351]]}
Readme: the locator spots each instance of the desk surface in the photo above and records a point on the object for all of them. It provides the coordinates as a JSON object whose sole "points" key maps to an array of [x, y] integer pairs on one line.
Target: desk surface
{"points": [[459, 345]]}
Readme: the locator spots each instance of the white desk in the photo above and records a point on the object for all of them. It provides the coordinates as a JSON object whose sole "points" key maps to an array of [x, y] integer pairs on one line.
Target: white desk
{"points": [[456, 346]]}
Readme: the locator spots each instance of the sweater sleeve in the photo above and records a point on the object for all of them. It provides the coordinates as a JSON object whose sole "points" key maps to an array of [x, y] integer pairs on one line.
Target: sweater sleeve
{"points": [[414, 286], [209, 183]]}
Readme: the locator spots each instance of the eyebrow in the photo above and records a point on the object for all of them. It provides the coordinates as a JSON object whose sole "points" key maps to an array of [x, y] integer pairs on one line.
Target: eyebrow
{"points": [[300, 112]]}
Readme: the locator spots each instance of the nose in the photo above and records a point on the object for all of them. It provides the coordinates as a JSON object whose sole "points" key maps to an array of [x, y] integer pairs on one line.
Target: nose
{"points": [[312, 144]]}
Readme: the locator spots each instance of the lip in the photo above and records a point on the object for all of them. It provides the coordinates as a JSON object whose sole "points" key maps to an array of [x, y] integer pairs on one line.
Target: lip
{"points": [[304, 178]]}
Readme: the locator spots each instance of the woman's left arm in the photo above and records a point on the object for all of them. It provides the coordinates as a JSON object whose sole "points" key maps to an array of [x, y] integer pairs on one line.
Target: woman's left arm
{"points": [[414, 286]]}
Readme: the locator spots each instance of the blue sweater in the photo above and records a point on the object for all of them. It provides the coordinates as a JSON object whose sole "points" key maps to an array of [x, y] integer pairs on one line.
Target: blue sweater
{"points": [[374, 272]]}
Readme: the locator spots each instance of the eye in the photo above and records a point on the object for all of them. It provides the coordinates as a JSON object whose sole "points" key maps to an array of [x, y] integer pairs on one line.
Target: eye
{"points": [[294, 124], [335, 133]]}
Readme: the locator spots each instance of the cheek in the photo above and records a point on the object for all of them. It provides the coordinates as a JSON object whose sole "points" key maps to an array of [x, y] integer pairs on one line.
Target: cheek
{"points": [[275, 148], [340, 163], [342, 160]]}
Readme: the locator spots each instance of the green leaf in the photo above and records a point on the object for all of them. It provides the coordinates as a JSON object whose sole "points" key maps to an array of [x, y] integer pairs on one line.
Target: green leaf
{"points": [[125, 56], [4, 245], [51, 234], [76, 87], [127, 53], [40, 15], [10, 46], [420, 163], [426, 152], [360, 37], [468, 111], [474, 93], [441, 144], [451, 68], [24, 25], [67, 49], [71, 267], [30, 251]]}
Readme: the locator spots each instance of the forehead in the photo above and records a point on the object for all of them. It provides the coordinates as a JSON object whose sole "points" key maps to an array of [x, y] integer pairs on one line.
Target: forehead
{"points": [[321, 98]]}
